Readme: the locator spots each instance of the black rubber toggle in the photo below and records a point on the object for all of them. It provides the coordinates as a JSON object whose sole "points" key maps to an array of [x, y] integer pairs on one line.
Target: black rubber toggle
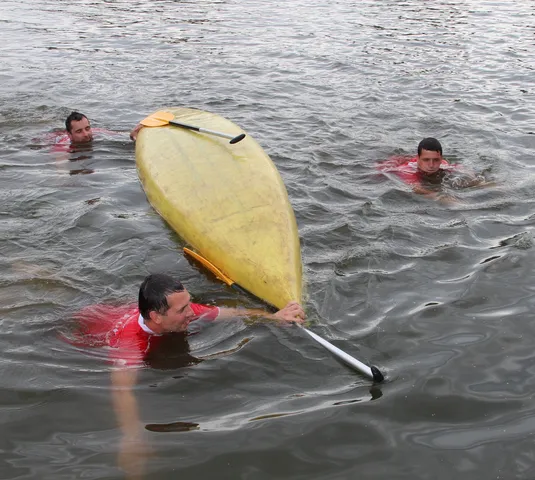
{"points": [[377, 375]]}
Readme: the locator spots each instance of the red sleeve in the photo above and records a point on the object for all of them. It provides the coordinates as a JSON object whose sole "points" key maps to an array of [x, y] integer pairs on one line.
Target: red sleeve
{"points": [[205, 312], [94, 322]]}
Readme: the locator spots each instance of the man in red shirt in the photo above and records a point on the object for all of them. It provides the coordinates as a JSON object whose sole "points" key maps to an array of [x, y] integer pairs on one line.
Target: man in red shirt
{"points": [[78, 131], [427, 167], [132, 332], [164, 306], [426, 172]]}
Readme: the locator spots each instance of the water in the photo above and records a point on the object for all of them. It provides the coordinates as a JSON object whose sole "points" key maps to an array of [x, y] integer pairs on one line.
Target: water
{"points": [[438, 296]]}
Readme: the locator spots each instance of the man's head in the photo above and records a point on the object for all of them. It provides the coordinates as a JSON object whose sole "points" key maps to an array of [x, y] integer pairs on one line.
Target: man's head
{"points": [[429, 155], [78, 128], [164, 303]]}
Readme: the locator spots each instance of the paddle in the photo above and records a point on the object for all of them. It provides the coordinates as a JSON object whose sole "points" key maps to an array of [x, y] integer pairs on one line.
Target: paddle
{"points": [[160, 119], [371, 371]]}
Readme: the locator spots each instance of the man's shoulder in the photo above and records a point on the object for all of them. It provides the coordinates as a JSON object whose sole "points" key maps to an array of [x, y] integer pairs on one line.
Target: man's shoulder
{"points": [[126, 328], [56, 139], [401, 166], [106, 313]]}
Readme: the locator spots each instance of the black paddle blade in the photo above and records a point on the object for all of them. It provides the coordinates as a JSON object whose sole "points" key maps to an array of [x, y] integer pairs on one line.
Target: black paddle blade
{"points": [[237, 139]]}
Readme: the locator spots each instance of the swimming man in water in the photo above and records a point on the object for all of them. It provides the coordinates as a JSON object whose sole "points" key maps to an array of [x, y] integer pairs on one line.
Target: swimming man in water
{"points": [[428, 170], [135, 332]]}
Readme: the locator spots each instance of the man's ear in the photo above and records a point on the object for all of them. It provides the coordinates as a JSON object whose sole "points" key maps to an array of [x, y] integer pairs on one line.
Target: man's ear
{"points": [[154, 316]]}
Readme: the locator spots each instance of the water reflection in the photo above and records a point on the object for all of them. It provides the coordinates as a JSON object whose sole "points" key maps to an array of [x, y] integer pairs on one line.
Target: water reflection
{"points": [[81, 171], [173, 352], [173, 427]]}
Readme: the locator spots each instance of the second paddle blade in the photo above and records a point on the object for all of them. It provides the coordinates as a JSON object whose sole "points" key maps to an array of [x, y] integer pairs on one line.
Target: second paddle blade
{"points": [[161, 115], [153, 122]]}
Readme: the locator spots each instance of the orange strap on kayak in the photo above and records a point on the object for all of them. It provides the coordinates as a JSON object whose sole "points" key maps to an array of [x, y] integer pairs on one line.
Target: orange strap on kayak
{"points": [[210, 266]]}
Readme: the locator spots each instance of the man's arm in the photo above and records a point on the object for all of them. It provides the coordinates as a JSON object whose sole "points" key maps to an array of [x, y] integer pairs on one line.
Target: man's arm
{"points": [[439, 196], [292, 312], [124, 400], [472, 180], [135, 131], [132, 449], [425, 191]]}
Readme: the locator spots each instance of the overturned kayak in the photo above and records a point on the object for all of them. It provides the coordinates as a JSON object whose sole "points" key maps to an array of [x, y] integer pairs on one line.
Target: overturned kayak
{"points": [[227, 201]]}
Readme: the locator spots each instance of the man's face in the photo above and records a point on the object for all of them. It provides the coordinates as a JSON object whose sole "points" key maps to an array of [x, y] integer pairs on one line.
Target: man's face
{"points": [[81, 131], [179, 314], [429, 161]]}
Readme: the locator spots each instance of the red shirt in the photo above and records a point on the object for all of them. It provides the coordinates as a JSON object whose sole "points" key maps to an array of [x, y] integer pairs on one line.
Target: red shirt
{"points": [[407, 168], [61, 142], [124, 330]]}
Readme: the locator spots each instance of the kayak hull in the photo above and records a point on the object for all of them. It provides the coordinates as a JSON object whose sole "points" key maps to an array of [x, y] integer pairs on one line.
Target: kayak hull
{"points": [[227, 201]]}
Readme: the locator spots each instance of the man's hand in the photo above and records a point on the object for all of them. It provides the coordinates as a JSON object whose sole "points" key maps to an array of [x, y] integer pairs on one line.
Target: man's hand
{"points": [[422, 190], [293, 312], [133, 455], [446, 199], [135, 131], [442, 197]]}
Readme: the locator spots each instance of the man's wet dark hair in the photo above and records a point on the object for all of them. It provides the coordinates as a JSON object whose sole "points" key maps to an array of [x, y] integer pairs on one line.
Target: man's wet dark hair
{"points": [[431, 144], [154, 291], [74, 116]]}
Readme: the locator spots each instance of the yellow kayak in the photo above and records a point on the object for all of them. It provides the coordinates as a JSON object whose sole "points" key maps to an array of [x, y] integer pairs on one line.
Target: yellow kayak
{"points": [[227, 201]]}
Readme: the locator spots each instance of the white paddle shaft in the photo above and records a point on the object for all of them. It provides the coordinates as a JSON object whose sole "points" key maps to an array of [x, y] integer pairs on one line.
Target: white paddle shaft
{"points": [[206, 130], [345, 357]]}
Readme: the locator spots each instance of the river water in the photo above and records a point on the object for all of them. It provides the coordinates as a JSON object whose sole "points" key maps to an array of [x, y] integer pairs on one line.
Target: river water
{"points": [[439, 296]]}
